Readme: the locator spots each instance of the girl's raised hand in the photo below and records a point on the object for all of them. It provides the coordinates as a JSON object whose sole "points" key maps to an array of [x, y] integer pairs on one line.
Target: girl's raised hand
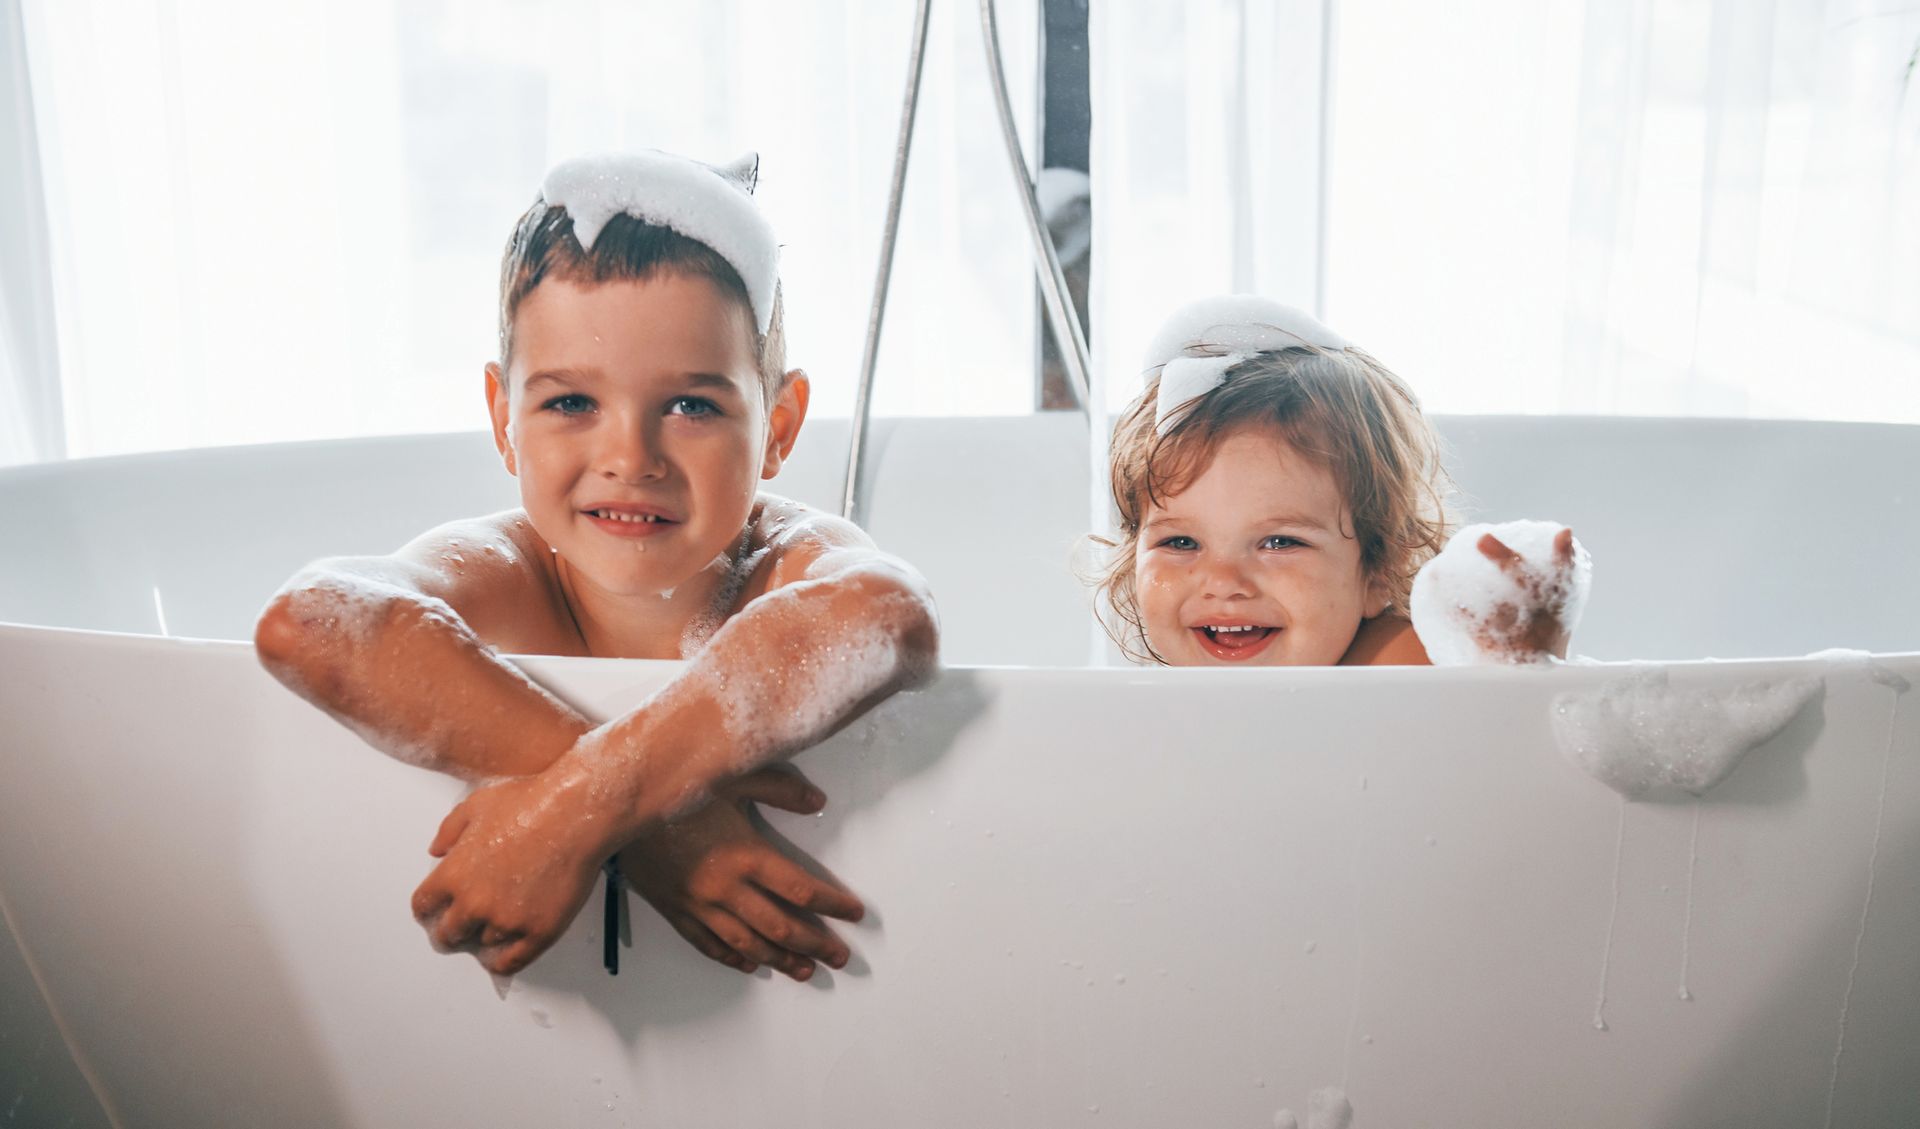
{"points": [[1535, 625], [1502, 594]]}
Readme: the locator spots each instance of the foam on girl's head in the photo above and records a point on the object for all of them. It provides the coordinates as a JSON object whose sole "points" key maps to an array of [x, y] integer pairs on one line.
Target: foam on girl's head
{"points": [[1200, 341], [710, 205]]}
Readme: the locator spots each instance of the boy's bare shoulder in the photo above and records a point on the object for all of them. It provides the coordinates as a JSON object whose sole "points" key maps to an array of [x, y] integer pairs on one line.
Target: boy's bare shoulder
{"points": [[498, 575], [799, 541]]}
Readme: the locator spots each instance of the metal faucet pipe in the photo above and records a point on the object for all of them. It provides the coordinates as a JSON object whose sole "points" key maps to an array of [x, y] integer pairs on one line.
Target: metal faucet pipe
{"points": [[1053, 284], [869, 357]]}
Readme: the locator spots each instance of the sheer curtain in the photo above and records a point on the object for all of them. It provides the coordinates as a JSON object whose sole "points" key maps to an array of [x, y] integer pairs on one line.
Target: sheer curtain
{"points": [[283, 221], [30, 427], [1643, 207]]}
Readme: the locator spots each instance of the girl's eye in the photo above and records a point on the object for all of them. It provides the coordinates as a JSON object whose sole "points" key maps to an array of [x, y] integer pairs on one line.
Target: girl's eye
{"points": [[1180, 542], [1282, 541], [695, 406], [572, 404]]}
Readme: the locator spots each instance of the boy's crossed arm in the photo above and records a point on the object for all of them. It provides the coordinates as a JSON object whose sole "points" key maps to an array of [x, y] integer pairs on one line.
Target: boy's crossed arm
{"points": [[840, 626]]}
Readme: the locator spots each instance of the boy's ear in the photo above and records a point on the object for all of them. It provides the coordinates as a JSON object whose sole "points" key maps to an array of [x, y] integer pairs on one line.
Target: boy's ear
{"points": [[498, 407], [789, 411]]}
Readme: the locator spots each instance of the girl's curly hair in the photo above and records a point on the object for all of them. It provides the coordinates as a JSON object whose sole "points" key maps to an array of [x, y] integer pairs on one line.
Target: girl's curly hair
{"points": [[1342, 409]]}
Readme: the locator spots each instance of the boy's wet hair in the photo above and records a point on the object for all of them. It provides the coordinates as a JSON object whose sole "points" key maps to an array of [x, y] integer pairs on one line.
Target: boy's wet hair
{"points": [[627, 250], [1343, 410]]}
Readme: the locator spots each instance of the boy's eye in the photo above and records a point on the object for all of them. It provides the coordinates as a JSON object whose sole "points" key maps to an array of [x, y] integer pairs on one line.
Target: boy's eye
{"points": [[695, 406], [572, 404], [1181, 542], [1282, 541]]}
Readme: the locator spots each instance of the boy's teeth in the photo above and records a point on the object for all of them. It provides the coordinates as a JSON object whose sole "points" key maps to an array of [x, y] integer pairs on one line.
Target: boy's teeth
{"points": [[649, 518]]}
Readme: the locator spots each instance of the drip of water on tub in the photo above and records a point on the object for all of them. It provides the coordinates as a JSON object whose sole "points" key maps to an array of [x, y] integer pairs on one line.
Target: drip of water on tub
{"points": [[1899, 685], [1613, 916], [1686, 928]]}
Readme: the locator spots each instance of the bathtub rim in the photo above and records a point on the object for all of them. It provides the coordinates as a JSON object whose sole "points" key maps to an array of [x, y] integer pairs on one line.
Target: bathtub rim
{"points": [[1561, 673]]}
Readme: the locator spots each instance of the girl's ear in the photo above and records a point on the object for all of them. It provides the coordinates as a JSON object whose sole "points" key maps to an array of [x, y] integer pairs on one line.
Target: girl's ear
{"points": [[1378, 596], [499, 409], [784, 418]]}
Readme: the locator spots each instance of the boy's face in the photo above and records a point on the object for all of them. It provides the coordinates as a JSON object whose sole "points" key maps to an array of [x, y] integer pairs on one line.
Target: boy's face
{"points": [[636, 425], [1260, 539]]}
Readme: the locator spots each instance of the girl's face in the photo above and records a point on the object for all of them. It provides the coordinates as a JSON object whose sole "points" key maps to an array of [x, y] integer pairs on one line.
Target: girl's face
{"points": [[1254, 563], [637, 427]]}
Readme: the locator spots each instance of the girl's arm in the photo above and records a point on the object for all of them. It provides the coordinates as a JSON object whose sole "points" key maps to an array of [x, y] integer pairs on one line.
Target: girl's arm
{"points": [[840, 627]]}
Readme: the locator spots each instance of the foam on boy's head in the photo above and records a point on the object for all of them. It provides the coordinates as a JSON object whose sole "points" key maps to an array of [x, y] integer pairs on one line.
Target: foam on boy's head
{"points": [[709, 205]]}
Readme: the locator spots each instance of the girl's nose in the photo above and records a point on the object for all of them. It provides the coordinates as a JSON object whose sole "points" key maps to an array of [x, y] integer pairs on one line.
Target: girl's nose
{"points": [[630, 452], [1222, 577]]}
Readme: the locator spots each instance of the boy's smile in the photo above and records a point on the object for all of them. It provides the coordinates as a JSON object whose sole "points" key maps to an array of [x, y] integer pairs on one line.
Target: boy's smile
{"points": [[1253, 562], [639, 432]]}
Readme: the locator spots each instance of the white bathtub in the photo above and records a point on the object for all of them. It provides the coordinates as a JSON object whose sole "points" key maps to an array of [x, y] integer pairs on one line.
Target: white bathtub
{"points": [[1127, 897]]}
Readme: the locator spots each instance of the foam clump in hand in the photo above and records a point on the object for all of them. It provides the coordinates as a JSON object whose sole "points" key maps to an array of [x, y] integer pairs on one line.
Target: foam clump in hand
{"points": [[1507, 593], [1640, 735]]}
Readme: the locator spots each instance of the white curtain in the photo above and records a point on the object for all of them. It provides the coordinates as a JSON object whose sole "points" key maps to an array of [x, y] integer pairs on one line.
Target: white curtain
{"points": [[30, 423], [276, 221], [1619, 206]]}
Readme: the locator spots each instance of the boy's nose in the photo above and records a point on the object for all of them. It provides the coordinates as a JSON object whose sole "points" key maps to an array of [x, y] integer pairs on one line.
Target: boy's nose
{"points": [[630, 454]]}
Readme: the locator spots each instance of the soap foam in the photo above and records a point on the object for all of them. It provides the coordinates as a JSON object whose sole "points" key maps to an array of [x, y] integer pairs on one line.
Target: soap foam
{"points": [[1328, 1108], [1468, 610], [1640, 733], [698, 201]]}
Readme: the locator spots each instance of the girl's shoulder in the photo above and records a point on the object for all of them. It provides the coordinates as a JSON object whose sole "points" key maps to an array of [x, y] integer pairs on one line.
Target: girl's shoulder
{"points": [[1387, 639]]}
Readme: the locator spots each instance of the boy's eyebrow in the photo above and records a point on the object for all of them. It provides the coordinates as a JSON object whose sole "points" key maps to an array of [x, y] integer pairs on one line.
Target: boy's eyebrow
{"points": [[560, 376], [587, 376], [712, 380]]}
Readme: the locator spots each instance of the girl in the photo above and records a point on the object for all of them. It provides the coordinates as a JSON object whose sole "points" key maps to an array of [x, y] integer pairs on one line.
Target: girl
{"points": [[1278, 490]]}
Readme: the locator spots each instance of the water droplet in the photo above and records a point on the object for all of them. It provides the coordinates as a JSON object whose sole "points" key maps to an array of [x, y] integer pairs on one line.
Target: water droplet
{"points": [[1310, 946], [1431, 840], [1599, 1024], [1119, 978], [1367, 1039], [1686, 995]]}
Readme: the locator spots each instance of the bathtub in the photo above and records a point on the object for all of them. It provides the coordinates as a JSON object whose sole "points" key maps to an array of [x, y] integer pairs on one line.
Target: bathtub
{"points": [[1101, 896]]}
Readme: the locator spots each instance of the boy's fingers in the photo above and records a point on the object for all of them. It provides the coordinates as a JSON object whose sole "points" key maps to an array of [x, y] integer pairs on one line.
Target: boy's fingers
{"points": [[789, 881], [454, 929], [428, 900], [1496, 550], [751, 945], [450, 829], [493, 936], [710, 946], [790, 929], [511, 958], [779, 787]]}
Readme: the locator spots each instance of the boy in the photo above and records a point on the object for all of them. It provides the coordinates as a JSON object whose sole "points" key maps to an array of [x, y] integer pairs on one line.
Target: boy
{"points": [[640, 395]]}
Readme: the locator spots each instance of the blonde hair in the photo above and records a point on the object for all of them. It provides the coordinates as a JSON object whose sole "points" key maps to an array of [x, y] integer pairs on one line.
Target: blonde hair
{"points": [[1344, 410]]}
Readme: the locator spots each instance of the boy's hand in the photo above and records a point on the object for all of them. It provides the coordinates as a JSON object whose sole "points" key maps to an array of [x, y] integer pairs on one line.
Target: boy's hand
{"points": [[517, 861], [730, 893], [1537, 627]]}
